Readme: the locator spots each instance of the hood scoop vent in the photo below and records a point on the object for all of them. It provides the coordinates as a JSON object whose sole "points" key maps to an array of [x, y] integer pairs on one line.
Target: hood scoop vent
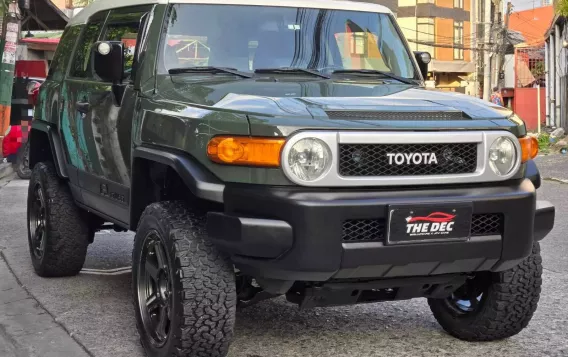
{"points": [[382, 115]]}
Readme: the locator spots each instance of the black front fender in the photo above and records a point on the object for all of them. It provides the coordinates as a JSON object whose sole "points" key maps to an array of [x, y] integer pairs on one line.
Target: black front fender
{"points": [[200, 182]]}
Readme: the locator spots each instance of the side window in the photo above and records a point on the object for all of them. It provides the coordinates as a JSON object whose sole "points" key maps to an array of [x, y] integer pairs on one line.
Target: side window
{"points": [[81, 63], [123, 25], [60, 61]]}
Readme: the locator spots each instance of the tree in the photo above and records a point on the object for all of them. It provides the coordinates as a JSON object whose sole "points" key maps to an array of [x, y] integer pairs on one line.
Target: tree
{"points": [[562, 7], [4, 4], [80, 3]]}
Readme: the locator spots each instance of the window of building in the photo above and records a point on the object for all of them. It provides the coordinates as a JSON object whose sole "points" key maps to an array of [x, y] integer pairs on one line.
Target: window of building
{"points": [[425, 34], [458, 40], [458, 4]]}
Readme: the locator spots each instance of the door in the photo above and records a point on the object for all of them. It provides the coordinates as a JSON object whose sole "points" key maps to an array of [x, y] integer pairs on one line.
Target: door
{"points": [[102, 129]]}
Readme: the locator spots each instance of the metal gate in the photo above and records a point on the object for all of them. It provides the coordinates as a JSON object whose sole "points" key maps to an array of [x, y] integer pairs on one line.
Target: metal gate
{"points": [[530, 84]]}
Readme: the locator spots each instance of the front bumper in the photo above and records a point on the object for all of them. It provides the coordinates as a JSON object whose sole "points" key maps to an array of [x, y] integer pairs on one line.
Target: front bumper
{"points": [[297, 234]]}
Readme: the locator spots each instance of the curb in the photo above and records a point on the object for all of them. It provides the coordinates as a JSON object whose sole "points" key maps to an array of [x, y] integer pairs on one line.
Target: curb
{"points": [[6, 169]]}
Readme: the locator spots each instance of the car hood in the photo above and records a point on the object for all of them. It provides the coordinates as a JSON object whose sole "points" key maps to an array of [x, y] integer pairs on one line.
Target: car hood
{"points": [[315, 97]]}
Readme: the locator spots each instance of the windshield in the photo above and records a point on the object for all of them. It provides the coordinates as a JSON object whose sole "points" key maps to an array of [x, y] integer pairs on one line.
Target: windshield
{"points": [[249, 38]]}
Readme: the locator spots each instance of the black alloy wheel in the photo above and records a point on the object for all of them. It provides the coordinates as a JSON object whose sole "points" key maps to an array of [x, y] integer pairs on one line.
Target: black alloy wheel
{"points": [[37, 222], [155, 290]]}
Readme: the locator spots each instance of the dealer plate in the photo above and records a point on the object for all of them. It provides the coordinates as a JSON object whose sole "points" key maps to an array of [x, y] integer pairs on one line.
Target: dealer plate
{"points": [[429, 222]]}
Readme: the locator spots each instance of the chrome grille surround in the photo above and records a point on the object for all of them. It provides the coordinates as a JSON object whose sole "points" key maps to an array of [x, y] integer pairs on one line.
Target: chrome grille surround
{"points": [[332, 178]]}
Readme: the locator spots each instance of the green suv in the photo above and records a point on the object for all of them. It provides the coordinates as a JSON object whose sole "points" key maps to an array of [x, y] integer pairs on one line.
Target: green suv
{"points": [[279, 148]]}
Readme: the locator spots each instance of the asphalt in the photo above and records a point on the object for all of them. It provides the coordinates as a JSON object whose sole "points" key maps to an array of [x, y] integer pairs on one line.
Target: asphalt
{"points": [[95, 306]]}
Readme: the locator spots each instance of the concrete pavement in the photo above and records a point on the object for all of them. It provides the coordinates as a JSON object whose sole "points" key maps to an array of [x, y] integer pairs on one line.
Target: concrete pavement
{"points": [[97, 310], [6, 169], [26, 329]]}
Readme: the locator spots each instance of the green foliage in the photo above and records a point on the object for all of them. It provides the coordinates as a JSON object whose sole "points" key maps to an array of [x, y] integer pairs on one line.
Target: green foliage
{"points": [[4, 5], [543, 143], [538, 70], [562, 7], [79, 3]]}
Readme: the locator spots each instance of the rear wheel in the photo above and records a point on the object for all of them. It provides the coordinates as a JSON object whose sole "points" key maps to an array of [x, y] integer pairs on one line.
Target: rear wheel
{"points": [[493, 306], [58, 234], [183, 288], [23, 162]]}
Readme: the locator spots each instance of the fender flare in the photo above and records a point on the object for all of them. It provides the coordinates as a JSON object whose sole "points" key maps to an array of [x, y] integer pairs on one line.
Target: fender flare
{"points": [[200, 182], [55, 146]]}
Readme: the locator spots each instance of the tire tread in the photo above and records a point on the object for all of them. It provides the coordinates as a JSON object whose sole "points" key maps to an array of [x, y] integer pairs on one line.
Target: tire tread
{"points": [[206, 276], [512, 300], [67, 230]]}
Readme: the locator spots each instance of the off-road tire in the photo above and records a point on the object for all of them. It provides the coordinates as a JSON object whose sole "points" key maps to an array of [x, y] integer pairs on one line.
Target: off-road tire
{"points": [[22, 162], [512, 298], [67, 233], [203, 283]]}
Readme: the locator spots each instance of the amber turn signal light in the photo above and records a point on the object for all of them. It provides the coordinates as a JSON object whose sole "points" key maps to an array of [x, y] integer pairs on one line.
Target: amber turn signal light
{"points": [[247, 151], [529, 148]]}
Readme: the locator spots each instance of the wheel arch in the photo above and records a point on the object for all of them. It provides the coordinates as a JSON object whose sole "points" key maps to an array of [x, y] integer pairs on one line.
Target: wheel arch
{"points": [[45, 145], [162, 174]]}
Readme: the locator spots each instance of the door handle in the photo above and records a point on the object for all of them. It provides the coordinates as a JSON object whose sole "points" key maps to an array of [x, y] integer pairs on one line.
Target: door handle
{"points": [[83, 107]]}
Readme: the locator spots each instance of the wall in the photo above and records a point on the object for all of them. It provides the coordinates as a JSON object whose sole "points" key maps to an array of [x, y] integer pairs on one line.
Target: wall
{"points": [[407, 25], [444, 30], [509, 71]]}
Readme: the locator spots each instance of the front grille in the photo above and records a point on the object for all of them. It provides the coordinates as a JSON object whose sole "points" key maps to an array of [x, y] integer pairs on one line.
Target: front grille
{"points": [[363, 230], [372, 160], [487, 224], [372, 230], [411, 116]]}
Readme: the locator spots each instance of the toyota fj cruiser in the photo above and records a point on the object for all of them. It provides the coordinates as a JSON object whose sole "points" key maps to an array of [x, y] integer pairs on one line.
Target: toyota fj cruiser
{"points": [[268, 148]]}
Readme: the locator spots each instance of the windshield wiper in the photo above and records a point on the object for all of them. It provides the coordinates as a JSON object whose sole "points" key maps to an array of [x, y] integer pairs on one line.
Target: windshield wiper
{"points": [[375, 71], [209, 69], [313, 72]]}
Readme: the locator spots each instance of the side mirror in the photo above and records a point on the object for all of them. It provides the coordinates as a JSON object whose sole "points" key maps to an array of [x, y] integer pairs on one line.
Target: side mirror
{"points": [[108, 61], [423, 58]]}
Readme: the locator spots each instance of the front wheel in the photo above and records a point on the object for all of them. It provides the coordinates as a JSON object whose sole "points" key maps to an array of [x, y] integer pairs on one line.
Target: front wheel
{"points": [[183, 288], [493, 306]]}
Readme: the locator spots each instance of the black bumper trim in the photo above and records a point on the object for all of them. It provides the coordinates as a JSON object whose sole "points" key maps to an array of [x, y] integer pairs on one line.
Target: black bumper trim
{"points": [[307, 226], [544, 219], [260, 238]]}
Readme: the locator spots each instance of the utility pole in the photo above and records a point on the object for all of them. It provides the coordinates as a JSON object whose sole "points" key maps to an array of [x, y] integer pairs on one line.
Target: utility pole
{"points": [[503, 45], [486, 50], [495, 32], [8, 45]]}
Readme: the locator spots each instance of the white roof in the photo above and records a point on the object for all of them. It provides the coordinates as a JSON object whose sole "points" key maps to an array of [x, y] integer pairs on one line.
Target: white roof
{"points": [[100, 5]]}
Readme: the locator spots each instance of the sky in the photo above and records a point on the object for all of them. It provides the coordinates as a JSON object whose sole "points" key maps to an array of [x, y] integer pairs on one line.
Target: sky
{"points": [[520, 5]]}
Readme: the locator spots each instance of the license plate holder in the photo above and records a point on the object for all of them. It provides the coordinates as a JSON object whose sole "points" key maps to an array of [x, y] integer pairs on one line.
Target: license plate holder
{"points": [[426, 223]]}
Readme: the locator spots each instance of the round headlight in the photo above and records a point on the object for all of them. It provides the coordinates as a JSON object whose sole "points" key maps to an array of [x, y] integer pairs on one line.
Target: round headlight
{"points": [[309, 159], [502, 156]]}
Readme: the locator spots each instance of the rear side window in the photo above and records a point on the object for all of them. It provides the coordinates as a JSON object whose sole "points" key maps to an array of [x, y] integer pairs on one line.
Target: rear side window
{"points": [[81, 62], [61, 58]]}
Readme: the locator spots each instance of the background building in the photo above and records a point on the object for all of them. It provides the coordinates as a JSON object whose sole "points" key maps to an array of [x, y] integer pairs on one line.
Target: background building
{"points": [[442, 28]]}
